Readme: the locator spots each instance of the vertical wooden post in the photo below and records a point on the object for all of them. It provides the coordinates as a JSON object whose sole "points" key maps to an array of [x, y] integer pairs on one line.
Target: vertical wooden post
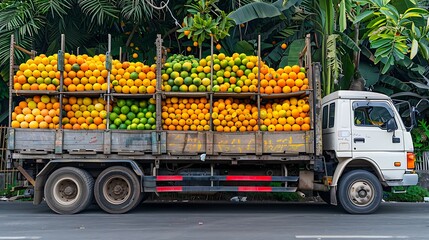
{"points": [[11, 73], [61, 68], [158, 93]]}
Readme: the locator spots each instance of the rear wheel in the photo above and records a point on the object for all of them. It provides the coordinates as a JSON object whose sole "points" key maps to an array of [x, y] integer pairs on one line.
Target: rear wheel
{"points": [[117, 190], [69, 190], [360, 192]]}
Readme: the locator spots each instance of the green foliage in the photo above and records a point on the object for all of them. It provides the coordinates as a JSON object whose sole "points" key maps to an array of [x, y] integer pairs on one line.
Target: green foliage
{"points": [[7, 191], [413, 194], [256, 10], [390, 32], [286, 196], [202, 25], [420, 136]]}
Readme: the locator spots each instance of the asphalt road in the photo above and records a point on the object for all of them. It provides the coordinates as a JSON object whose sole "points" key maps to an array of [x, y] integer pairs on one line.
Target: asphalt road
{"points": [[217, 221]]}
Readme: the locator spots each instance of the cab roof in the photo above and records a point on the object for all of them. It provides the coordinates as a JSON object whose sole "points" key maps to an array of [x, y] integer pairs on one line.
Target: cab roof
{"points": [[355, 95]]}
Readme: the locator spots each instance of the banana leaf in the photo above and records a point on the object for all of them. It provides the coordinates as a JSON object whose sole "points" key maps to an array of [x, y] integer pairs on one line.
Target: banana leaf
{"points": [[370, 73], [396, 83], [253, 11], [295, 48]]}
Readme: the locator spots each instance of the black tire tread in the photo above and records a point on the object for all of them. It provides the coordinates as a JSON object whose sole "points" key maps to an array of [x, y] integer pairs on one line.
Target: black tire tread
{"points": [[114, 209], [88, 181], [342, 192]]}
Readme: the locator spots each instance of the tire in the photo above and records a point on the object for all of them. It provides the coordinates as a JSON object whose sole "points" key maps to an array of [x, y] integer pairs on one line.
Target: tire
{"points": [[360, 192], [69, 190], [117, 190], [325, 196]]}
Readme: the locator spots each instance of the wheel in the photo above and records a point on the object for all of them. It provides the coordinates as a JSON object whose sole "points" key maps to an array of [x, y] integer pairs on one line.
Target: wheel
{"points": [[117, 190], [360, 192], [325, 196], [69, 190]]}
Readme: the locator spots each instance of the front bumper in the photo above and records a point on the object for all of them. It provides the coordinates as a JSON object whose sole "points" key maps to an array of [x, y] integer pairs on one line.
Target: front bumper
{"points": [[409, 179]]}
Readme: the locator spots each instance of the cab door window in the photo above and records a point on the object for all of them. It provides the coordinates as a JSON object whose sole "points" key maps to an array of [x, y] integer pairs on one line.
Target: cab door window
{"points": [[371, 114]]}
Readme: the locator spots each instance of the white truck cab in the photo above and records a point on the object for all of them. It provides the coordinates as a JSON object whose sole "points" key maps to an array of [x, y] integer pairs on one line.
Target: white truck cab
{"points": [[363, 130]]}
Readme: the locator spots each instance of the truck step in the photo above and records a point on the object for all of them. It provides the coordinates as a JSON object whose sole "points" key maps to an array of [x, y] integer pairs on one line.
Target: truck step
{"points": [[226, 178], [224, 189]]}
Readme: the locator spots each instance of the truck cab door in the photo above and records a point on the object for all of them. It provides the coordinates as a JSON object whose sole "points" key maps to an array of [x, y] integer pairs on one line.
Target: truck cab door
{"points": [[371, 138]]}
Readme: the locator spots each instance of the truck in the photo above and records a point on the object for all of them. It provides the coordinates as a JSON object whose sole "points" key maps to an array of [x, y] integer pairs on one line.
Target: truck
{"points": [[358, 146]]}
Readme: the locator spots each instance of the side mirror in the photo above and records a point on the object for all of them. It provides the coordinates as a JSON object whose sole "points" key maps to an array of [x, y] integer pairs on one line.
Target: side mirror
{"points": [[413, 115], [391, 125]]}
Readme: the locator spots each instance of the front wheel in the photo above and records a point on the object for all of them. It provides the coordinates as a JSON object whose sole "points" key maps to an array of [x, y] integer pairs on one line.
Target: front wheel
{"points": [[360, 192], [117, 190], [69, 190]]}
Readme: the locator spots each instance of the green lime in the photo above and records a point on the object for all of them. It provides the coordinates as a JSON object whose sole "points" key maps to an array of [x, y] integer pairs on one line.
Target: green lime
{"points": [[125, 109]]}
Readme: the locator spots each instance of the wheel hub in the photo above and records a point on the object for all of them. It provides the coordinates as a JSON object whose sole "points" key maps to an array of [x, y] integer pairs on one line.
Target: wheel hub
{"points": [[66, 191], [361, 193], [117, 190]]}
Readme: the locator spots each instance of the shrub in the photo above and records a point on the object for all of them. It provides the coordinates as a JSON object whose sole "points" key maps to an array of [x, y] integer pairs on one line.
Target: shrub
{"points": [[413, 194]]}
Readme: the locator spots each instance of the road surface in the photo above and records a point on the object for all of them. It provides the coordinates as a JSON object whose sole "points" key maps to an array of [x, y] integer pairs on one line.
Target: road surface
{"points": [[217, 221]]}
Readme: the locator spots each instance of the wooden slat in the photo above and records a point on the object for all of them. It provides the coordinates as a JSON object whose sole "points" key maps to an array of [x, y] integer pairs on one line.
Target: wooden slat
{"points": [[88, 140]]}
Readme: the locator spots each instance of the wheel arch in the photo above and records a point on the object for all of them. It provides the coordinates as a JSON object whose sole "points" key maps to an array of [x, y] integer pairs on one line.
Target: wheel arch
{"points": [[53, 165], [353, 164]]}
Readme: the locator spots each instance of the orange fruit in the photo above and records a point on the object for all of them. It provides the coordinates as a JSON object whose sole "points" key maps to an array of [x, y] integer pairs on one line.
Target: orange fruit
{"points": [[295, 89], [305, 127], [299, 83], [296, 127], [296, 68], [268, 90]]}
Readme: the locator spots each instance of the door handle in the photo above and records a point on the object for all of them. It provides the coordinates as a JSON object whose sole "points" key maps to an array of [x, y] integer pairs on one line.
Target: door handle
{"points": [[359, 140]]}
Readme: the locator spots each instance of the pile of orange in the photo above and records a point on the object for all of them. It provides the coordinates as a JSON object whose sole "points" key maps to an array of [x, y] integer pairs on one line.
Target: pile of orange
{"points": [[37, 112], [84, 113], [286, 115], [39, 73], [283, 80], [232, 115], [186, 114], [85, 73], [133, 77], [235, 115], [237, 73]]}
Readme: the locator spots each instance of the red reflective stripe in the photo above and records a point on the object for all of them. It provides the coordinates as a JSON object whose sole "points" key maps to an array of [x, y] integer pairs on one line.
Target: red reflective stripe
{"points": [[169, 178], [169, 189], [248, 178], [255, 189]]}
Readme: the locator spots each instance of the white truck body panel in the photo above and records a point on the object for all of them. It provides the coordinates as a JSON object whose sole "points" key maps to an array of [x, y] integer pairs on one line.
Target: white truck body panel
{"points": [[352, 138]]}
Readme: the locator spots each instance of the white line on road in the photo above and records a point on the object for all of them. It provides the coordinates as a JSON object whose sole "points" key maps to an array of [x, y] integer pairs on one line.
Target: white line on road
{"points": [[348, 237], [19, 238]]}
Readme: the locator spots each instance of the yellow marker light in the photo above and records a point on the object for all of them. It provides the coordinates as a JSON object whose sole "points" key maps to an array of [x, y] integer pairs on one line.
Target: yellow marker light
{"points": [[397, 164], [411, 158]]}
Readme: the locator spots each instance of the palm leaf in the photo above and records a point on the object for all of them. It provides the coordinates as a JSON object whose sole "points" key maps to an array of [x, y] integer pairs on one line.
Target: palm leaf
{"points": [[57, 8], [100, 10], [136, 11]]}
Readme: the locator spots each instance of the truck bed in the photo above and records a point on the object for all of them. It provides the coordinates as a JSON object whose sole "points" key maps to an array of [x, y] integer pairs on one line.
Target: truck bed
{"points": [[167, 145]]}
